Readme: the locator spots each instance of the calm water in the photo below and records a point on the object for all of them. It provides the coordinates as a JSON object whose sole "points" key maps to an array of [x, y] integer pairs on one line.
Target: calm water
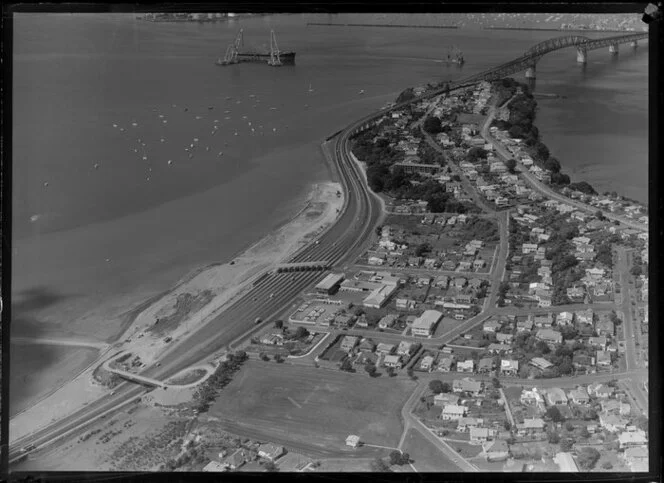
{"points": [[76, 76]]}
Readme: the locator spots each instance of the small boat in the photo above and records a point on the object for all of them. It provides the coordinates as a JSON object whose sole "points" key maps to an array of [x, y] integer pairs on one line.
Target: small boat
{"points": [[199, 117], [161, 116], [186, 109], [216, 120], [210, 107], [135, 150], [236, 133], [226, 112], [207, 148], [96, 165], [121, 129], [249, 123], [162, 140], [214, 131], [195, 140], [310, 89], [221, 153], [108, 259], [228, 97], [191, 156], [115, 125], [148, 178], [306, 105], [244, 117], [173, 105], [164, 121], [253, 130], [252, 95], [228, 117], [238, 102], [170, 162], [46, 184], [273, 109], [134, 124], [145, 158], [362, 91], [274, 129]]}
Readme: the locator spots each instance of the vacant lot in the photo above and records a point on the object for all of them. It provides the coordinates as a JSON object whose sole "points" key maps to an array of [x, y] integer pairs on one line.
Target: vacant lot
{"points": [[426, 457], [304, 407]]}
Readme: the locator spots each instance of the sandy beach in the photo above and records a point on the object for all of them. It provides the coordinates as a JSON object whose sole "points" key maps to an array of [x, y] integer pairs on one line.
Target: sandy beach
{"points": [[225, 281]]}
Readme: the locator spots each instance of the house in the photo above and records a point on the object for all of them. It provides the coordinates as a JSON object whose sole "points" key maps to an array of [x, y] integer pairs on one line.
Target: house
{"points": [[597, 342], [564, 318], [532, 396], [453, 412], [214, 466], [485, 365], [603, 359], [579, 396], [426, 364], [628, 439], [463, 299], [612, 423], [524, 325], [504, 338], [387, 321], [414, 261], [423, 281], [555, 396], [465, 424], [600, 390], [479, 263], [271, 451], [566, 463], [491, 326], [540, 363], [367, 345], [528, 248], [405, 304], [509, 367], [424, 324], [496, 450], [530, 426], [467, 385], [441, 281], [479, 434], [353, 441], [459, 282], [236, 459], [405, 348], [445, 364], [348, 343], [498, 348], [384, 348], [549, 336], [575, 294], [605, 327], [443, 399], [466, 366], [544, 321], [392, 361]]}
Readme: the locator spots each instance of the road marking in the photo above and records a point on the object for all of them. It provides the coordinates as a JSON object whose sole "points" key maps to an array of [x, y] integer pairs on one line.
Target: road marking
{"points": [[294, 402]]}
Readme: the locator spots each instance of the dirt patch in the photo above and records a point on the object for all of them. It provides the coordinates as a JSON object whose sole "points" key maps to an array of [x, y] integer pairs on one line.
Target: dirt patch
{"points": [[185, 304]]}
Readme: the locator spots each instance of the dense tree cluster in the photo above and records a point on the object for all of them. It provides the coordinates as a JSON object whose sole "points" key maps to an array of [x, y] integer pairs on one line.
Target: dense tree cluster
{"points": [[407, 95], [432, 125], [222, 376], [583, 187]]}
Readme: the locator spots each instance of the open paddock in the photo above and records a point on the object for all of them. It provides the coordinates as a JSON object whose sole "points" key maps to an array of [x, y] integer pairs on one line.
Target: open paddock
{"points": [[426, 457], [313, 410]]}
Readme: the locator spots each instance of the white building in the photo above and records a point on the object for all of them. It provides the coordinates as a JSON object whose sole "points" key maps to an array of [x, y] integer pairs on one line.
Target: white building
{"points": [[424, 324]]}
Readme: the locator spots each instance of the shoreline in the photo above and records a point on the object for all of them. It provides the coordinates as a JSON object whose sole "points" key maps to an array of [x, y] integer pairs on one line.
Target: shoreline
{"points": [[227, 281]]}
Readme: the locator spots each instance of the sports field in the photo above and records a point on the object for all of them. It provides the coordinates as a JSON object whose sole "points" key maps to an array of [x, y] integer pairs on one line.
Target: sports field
{"points": [[313, 410]]}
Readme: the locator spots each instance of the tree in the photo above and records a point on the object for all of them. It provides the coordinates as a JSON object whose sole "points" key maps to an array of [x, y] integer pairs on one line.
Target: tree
{"points": [[446, 387], [587, 458], [554, 437], [607, 465], [432, 125], [346, 366], [436, 386], [270, 466], [411, 374], [496, 382], [279, 324], [585, 433], [566, 445], [371, 369], [398, 458], [636, 271], [552, 164], [507, 425], [511, 164], [422, 249], [301, 333], [554, 413], [599, 215], [569, 426]]}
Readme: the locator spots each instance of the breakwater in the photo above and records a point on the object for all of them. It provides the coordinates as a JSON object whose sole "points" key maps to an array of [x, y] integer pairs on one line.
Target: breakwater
{"points": [[384, 25], [558, 29]]}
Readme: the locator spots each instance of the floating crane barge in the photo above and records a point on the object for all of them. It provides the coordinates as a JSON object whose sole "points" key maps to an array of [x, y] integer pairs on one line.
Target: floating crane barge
{"points": [[274, 58]]}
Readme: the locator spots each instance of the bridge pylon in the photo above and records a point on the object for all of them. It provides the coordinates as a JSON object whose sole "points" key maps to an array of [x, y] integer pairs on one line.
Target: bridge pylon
{"points": [[634, 43], [613, 49], [531, 73], [581, 55]]}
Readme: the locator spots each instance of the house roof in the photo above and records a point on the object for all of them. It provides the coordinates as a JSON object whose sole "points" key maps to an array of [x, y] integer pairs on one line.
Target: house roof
{"points": [[496, 446]]}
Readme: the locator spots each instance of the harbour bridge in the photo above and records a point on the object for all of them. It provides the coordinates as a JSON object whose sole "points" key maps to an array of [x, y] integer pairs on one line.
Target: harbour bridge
{"points": [[529, 59], [526, 62]]}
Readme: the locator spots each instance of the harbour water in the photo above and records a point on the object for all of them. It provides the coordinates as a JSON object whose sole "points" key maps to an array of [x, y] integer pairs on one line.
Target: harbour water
{"points": [[133, 225]]}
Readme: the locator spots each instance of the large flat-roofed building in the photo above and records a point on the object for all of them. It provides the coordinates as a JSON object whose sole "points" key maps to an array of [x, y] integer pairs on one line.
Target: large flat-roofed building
{"points": [[566, 463], [410, 167], [330, 283], [379, 296], [424, 324]]}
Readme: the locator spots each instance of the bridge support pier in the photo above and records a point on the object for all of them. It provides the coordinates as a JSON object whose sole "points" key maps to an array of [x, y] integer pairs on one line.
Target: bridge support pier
{"points": [[613, 49], [530, 72], [581, 56], [634, 43]]}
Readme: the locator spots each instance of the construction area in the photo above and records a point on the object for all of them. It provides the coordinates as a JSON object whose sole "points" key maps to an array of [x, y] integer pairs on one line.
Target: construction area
{"points": [[274, 58]]}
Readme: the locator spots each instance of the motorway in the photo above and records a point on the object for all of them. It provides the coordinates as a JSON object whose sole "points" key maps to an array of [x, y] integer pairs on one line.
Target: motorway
{"points": [[340, 243]]}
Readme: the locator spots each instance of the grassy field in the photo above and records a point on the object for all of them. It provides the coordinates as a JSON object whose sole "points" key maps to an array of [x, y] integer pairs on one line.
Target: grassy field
{"points": [[305, 407], [426, 457]]}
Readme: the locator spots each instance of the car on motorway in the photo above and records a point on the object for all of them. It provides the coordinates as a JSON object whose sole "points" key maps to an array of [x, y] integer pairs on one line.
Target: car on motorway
{"points": [[27, 448], [317, 242], [112, 393], [272, 295], [158, 364], [258, 320]]}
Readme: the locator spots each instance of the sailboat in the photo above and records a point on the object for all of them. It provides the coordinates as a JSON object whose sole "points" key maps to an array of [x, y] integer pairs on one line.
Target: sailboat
{"points": [[454, 56], [310, 89]]}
